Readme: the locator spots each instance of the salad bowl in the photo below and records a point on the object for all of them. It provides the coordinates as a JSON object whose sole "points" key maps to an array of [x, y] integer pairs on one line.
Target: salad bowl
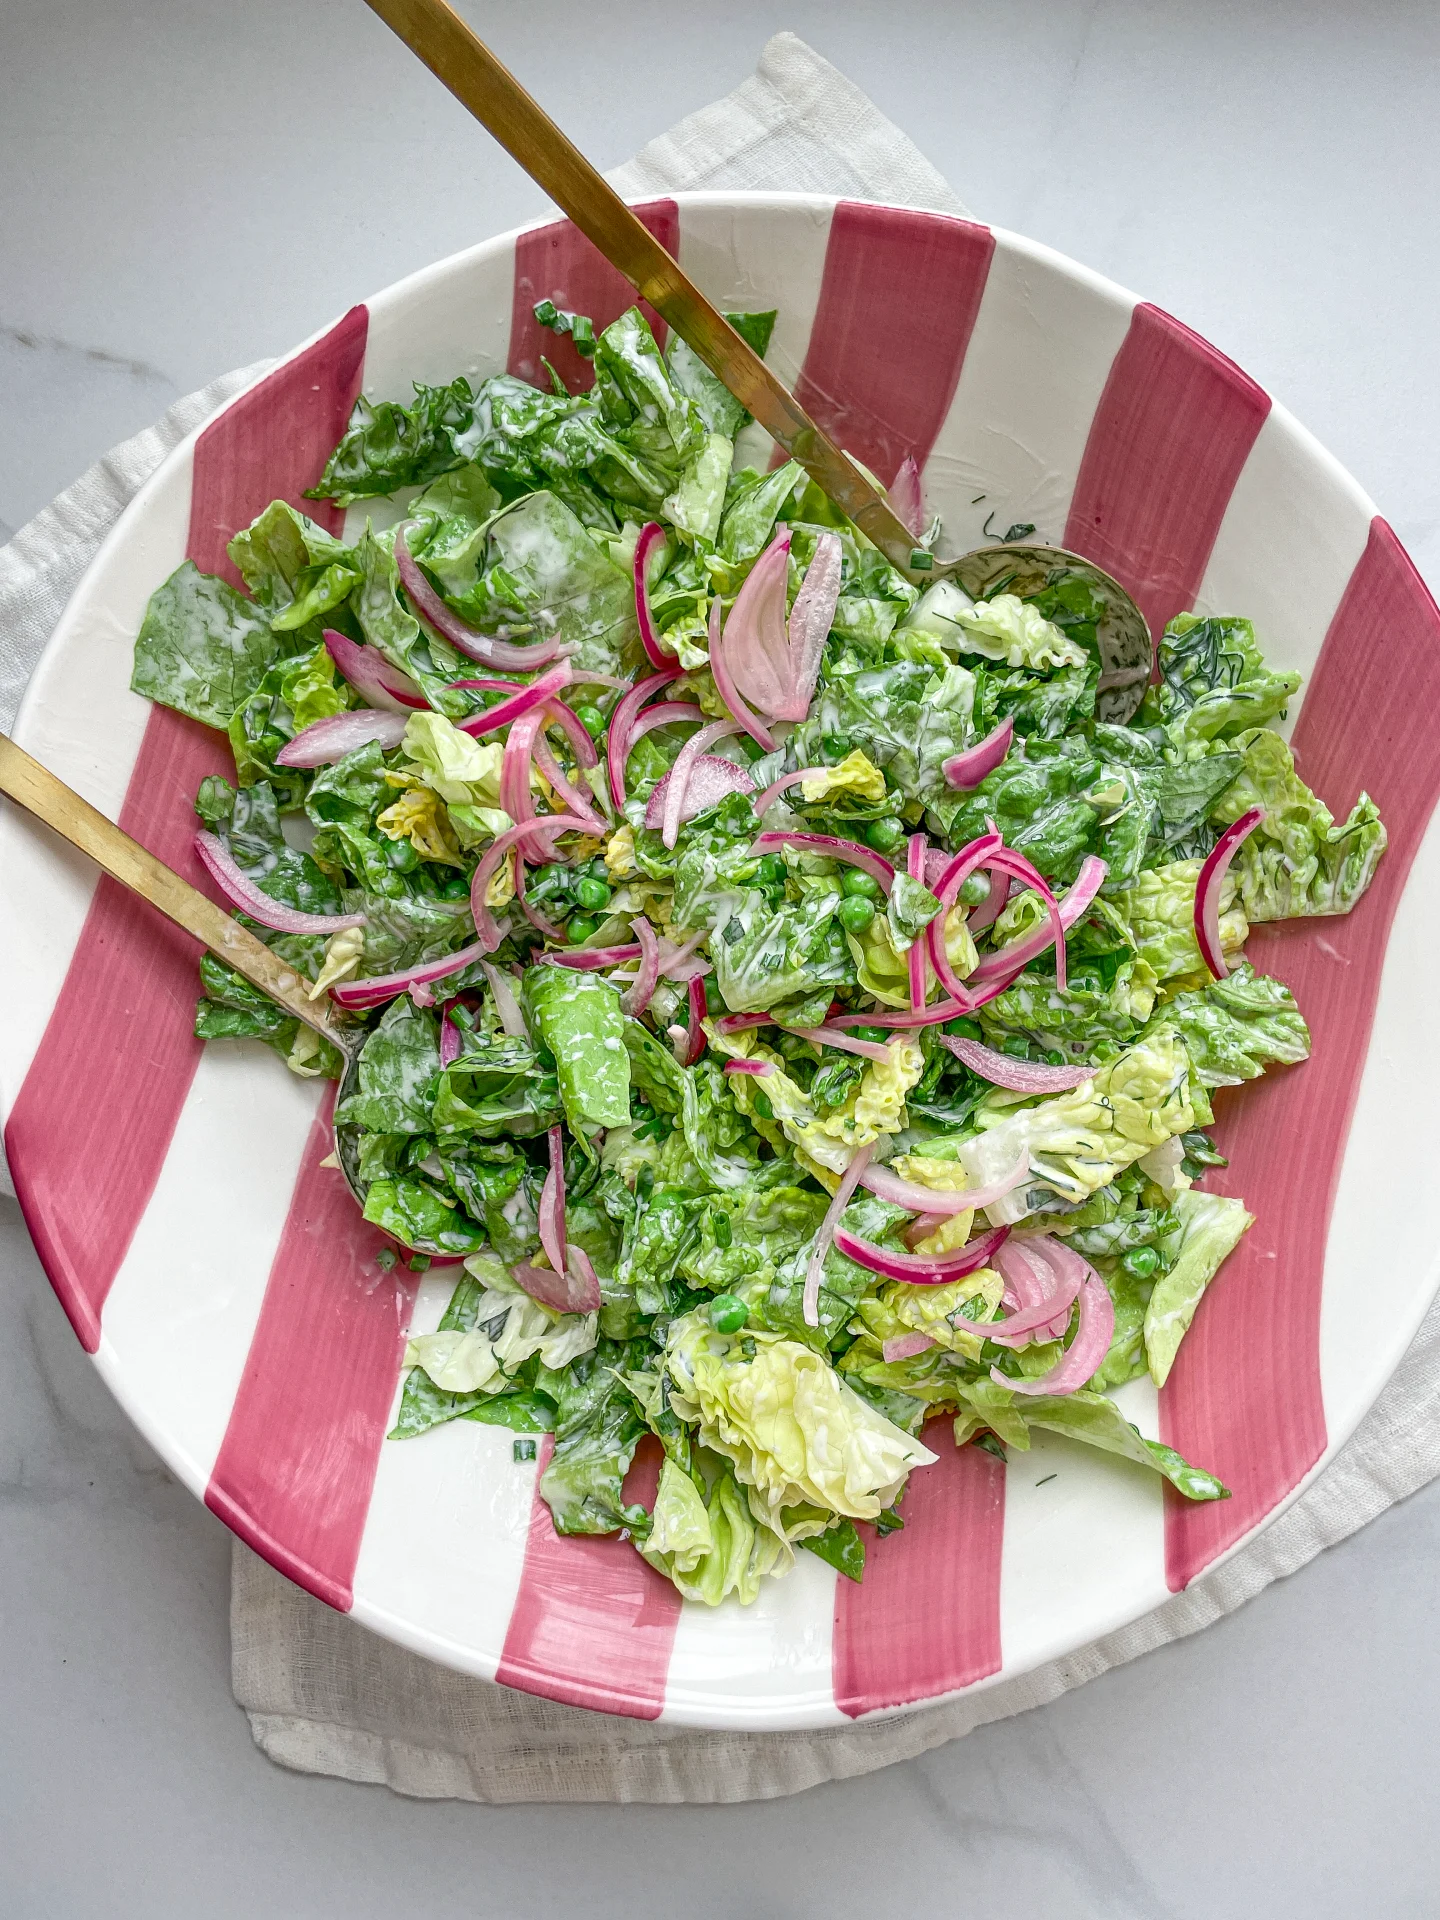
{"points": [[225, 1284]]}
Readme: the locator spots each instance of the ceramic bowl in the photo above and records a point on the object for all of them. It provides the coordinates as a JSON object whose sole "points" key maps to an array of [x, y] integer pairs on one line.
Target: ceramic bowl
{"points": [[219, 1274]]}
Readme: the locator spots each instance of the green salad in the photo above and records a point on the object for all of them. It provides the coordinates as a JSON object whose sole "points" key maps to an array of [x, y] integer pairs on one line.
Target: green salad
{"points": [[788, 1008]]}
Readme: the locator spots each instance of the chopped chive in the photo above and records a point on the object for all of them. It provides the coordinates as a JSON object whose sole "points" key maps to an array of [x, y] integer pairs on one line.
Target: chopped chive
{"points": [[1048, 1477], [920, 560], [523, 1450]]}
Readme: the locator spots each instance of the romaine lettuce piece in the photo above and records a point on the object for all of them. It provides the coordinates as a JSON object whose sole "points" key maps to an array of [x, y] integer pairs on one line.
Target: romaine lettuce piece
{"points": [[388, 446], [1010, 629], [203, 648], [497, 1086], [782, 1109], [295, 692], [1297, 861], [415, 1215], [1087, 1022], [579, 1019], [544, 575], [1233, 1029], [1085, 1416], [598, 1426], [1214, 682], [397, 1074], [1210, 1229], [1159, 905], [765, 956], [1079, 1141], [294, 569]]}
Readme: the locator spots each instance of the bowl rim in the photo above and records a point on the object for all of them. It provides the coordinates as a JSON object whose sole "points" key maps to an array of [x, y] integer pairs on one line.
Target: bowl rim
{"points": [[770, 1712]]}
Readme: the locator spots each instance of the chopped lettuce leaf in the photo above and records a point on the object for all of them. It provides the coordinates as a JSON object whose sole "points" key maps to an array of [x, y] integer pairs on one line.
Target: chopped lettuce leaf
{"points": [[1297, 861], [1078, 1141], [580, 1022], [1210, 1229]]}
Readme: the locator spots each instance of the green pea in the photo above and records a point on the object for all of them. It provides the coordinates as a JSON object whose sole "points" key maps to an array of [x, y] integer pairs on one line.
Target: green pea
{"points": [[727, 1314], [1141, 1261], [592, 719], [964, 1029], [885, 835], [873, 1033], [1055, 1058], [835, 746], [856, 914], [592, 894], [771, 871], [973, 889], [860, 884], [402, 856], [580, 927], [1016, 1045], [597, 869], [455, 886], [552, 878]]}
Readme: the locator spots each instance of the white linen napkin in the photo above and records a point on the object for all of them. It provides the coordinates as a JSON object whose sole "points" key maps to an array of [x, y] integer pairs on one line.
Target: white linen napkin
{"points": [[326, 1696]]}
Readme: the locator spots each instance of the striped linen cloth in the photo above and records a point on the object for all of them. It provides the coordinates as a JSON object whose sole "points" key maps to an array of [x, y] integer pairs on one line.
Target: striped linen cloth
{"points": [[324, 1695]]}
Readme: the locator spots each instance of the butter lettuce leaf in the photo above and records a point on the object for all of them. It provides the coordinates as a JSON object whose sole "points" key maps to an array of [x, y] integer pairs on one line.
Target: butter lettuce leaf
{"points": [[1078, 1141]]}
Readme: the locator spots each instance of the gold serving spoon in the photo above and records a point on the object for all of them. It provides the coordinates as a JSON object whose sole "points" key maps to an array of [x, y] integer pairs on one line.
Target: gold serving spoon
{"points": [[438, 36], [48, 798]]}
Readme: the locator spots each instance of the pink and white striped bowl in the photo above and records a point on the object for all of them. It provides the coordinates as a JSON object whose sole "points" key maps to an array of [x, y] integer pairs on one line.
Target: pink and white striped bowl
{"points": [[221, 1278]]}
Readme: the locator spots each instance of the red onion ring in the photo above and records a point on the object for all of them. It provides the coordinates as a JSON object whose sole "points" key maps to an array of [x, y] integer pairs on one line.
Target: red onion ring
{"points": [[551, 1212], [617, 747], [1086, 1351], [491, 652], [966, 770], [809, 628], [907, 498], [449, 1035], [665, 713], [940, 1203], [521, 834], [535, 695], [918, 1269], [915, 955], [710, 779], [695, 1030], [772, 793], [651, 537], [1207, 889], [755, 651], [581, 804], [1020, 1076], [725, 684], [904, 1346], [828, 1233], [512, 1020], [591, 959], [576, 1291], [1024, 1325], [832, 848], [648, 978], [750, 1066], [373, 992], [678, 778], [325, 741], [1008, 961], [242, 892], [372, 675], [537, 919], [867, 1049]]}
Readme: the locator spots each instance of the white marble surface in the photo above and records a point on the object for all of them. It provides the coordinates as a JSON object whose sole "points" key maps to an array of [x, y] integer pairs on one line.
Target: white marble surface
{"points": [[187, 185]]}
